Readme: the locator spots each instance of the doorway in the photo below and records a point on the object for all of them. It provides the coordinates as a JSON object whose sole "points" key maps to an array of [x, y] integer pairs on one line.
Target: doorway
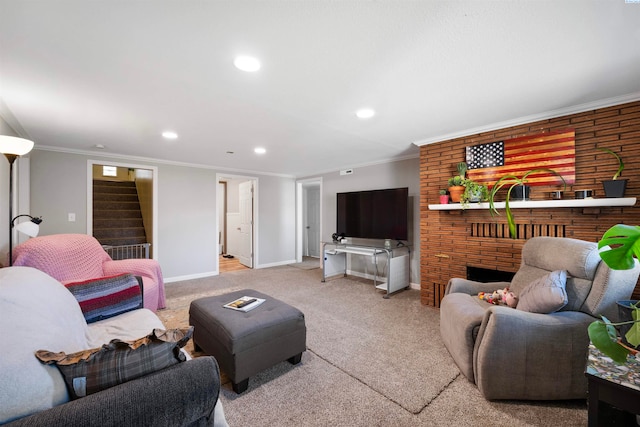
{"points": [[308, 218], [144, 180], [237, 222]]}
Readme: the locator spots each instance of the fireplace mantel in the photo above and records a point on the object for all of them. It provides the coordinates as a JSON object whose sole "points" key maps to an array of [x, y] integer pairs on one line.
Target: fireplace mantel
{"points": [[548, 204]]}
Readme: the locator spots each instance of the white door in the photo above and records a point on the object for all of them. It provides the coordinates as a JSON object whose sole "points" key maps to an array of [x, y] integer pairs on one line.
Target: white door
{"points": [[246, 223], [313, 222]]}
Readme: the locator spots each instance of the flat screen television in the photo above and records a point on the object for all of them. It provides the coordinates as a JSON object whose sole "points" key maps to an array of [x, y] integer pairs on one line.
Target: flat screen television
{"points": [[373, 214]]}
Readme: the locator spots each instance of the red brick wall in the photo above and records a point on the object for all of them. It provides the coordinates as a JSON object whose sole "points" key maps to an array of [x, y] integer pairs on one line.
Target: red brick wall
{"points": [[449, 239]]}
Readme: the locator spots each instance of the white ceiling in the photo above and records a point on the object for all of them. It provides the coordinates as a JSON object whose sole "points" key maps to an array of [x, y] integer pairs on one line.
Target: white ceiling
{"points": [[78, 73]]}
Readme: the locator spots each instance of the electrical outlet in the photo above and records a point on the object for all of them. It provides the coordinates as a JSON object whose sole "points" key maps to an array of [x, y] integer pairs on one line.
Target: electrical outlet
{"points": [[72, 217]]}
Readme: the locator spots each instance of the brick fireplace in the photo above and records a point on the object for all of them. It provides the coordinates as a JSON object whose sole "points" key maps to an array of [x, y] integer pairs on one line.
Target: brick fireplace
{"points": [[451, 241]]}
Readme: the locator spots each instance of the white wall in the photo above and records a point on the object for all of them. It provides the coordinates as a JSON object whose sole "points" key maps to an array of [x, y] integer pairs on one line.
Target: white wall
{"points": [[403, 173], [187, 239]]}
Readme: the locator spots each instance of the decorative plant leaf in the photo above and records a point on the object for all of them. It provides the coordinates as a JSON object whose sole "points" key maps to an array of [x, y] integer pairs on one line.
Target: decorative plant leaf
{"points": [[512, 181], [618, 246], [620, 163], [633, 335], [600, 338]]}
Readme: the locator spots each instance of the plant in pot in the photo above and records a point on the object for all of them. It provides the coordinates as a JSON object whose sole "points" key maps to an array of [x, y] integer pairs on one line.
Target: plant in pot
{"points": [[619, 247], [513, 184], [614, 187], [456, 183], [473, 192], [444, 197], [456, 188], [462, 169]]}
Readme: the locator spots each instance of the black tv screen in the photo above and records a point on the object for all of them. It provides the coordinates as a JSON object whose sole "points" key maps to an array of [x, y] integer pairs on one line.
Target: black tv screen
{"points": [[374, 214]]}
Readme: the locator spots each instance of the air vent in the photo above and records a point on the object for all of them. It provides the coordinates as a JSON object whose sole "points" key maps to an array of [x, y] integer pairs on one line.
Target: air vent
{"points": [[523, 231]]}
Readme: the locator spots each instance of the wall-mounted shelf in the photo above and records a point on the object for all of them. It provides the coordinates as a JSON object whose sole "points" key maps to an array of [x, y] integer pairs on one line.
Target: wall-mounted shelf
{"points": [[548, 204]]}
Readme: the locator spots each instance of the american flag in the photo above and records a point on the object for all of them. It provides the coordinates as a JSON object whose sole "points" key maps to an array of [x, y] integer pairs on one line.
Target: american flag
{"points": [[552, 150]]}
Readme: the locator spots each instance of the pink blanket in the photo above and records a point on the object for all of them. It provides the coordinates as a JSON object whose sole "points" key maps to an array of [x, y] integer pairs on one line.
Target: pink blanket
{"points": [[74, 257]]}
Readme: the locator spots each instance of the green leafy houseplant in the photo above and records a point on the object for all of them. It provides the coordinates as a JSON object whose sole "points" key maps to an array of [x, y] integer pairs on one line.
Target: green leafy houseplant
{"points": [[510, 181], [619, 245], [473, 192]]}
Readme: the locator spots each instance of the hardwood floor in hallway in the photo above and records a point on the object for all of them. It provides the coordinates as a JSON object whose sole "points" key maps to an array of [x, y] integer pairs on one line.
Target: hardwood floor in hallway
{"points": [[230, 264]]}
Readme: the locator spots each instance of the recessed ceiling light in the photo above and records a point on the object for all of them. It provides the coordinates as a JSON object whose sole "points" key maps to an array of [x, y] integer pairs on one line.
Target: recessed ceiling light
{"points": [[365, 113], [169, 135], [259, 150], [247, 63], [99, 146]]}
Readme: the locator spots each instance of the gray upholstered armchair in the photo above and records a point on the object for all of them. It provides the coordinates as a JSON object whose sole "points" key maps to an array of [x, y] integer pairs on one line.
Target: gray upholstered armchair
{"points": [[514, 354]]}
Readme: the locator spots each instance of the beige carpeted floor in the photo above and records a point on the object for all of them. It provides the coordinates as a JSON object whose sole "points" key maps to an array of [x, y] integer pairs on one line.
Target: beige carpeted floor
{"points": [[369, 361]]}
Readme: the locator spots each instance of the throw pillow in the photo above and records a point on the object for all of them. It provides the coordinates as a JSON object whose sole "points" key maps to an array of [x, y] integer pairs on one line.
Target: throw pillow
{"points": [[89, 371], [546, 294], [106, 297]]}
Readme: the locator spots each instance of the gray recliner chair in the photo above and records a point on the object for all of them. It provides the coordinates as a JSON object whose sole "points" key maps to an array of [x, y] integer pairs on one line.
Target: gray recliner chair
{"points": [[513, 354]]}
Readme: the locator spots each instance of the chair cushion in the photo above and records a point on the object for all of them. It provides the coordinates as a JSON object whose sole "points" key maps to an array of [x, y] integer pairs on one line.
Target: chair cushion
{"points": [[545, 295]]}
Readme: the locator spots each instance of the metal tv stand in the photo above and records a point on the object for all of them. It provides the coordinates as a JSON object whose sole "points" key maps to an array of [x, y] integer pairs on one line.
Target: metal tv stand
{"points": [[396, 272]]}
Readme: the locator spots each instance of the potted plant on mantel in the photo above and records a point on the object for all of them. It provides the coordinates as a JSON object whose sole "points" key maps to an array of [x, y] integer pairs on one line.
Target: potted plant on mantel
{"points": [[515, 184], [473, 192], [614, 187], [618, 245], [457, 183], [455, 188], [444, 197]]}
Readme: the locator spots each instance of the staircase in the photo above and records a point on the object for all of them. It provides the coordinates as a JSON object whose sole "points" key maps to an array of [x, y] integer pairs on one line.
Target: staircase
{"points": [[117, 219]]}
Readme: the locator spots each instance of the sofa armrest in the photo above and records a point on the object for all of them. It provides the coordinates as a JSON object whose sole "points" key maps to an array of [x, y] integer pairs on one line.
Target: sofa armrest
{"points": [[182, 395], [522, 355], [470, 287]]}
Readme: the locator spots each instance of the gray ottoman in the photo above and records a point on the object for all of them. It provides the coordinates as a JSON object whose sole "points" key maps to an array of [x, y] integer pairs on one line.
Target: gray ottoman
{"points": [[247, 343]]}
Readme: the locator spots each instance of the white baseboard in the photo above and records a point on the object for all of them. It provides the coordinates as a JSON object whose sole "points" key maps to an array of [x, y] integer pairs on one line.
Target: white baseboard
{"points": [[190, 277], [276, 264]]}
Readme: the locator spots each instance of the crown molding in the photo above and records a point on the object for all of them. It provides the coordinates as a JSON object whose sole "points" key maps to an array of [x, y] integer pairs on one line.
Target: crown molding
{"points": [[155, 161], [575, 109]]}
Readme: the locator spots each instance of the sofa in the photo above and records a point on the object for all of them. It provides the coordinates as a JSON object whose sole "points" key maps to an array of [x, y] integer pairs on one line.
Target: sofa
{"points": [[537, 350], [73, 257], [39, 313]]}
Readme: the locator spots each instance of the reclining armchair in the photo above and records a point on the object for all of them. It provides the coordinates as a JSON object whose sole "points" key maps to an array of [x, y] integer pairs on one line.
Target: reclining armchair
{"points": [[510, 353], [77, 257]]}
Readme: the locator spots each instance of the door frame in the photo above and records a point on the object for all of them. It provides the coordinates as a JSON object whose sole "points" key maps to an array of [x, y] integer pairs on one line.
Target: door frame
{"points": [[153, 169], [254, 229], [300, 184]]}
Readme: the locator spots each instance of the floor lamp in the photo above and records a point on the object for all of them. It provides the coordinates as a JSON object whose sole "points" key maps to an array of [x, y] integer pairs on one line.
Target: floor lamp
{"points": [[13, 147]]}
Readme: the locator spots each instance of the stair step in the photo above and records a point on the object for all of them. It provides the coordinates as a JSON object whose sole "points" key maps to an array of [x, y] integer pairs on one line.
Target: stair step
{"points": [[111, 222], [100, 190], [116, 197], [115, 205], [116, 213], [114, 185], [106, 233]]}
